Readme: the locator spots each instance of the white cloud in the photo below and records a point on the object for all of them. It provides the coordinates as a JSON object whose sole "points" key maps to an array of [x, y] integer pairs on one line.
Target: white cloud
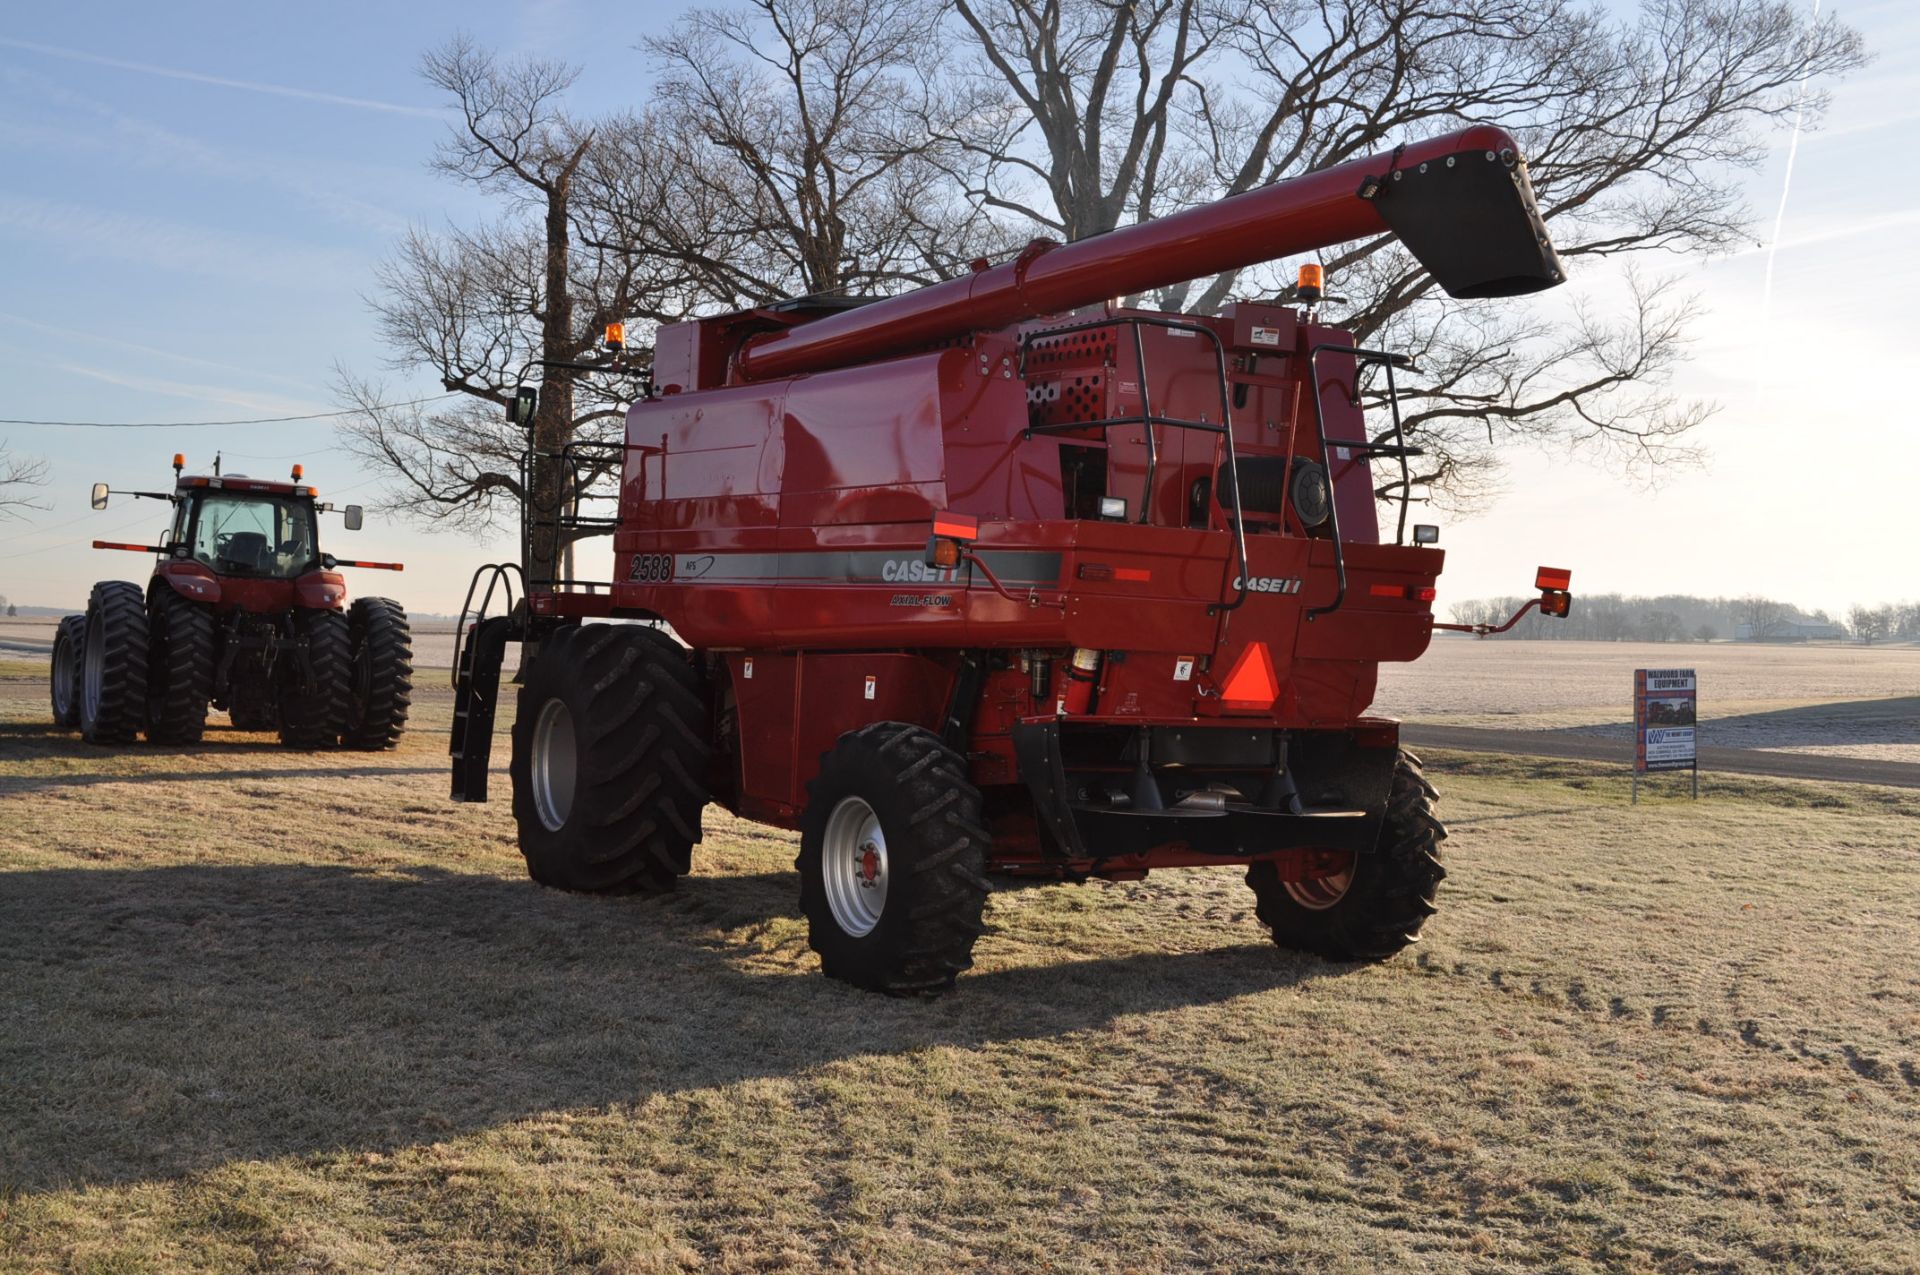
{"points": [[92, 234]]}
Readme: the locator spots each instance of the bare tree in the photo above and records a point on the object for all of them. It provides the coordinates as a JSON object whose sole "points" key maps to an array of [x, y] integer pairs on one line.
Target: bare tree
{"points": [[1763, 616], [810, 141], [1635, 136], [19, 474], [488, 308]]}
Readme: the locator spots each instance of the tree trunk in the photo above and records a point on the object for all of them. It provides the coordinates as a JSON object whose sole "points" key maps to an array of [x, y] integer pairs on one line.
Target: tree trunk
{"points": [[553, 421]]}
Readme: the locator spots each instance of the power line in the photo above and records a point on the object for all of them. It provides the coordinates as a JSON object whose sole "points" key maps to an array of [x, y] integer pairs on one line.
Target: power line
{"points": [[258, 420]]}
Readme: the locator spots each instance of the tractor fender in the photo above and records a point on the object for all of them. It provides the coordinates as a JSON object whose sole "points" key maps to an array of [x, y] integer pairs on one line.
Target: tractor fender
{"points": [[320, 591], [191, 581]]}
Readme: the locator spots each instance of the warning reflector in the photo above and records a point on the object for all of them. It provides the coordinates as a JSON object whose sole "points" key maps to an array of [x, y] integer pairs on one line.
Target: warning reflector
{"points": [[1251, 683]]}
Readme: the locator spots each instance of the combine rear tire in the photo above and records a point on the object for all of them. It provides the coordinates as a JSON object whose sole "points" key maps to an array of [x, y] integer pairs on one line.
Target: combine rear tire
{"points": [[113, 675], [610, 756], [180, 652], [1377, 907], [382, 674], [63, 677], [313, 700], [893, 850]]}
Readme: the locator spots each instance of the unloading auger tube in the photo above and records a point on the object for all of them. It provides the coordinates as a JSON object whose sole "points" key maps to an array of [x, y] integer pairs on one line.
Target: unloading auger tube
{"points": [[1461, 203]]}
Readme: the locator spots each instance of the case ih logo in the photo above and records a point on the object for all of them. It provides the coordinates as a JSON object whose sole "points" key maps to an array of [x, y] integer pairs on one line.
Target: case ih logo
{"points": [[914, 571], [1271, 584]]}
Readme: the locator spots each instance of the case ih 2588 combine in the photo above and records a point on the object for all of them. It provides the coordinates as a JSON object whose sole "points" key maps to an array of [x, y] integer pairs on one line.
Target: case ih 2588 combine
{"points": [[1001, 576], [242, 612]]}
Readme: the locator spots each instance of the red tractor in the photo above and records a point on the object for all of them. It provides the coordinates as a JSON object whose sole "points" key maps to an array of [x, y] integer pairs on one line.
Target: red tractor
{"points": [[242, 612], [1002, 576]]}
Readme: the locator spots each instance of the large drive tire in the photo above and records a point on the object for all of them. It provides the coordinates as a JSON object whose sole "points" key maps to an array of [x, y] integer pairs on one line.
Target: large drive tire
{"points": [[63, 673], [113, 673], [382, 674], [610, 756], [180, 656], [892, 862], [1377, 907], [313, 709]]}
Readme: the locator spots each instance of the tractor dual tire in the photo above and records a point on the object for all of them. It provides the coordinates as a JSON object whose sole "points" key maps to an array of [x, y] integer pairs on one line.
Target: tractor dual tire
{"points": [[893, 849], [180, 656], [1378, 906], [381, 674], [63, 671], [313, 698], [610, 754], [113, 673]]}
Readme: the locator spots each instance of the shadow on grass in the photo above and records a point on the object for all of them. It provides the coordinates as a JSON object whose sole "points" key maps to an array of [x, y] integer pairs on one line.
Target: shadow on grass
{"points": [[1867, 721], [26, 743], [163, 1021]]}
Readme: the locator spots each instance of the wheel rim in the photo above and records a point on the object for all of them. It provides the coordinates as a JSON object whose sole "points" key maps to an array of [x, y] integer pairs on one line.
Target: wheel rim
{"points": [[63, 677], [555, 766], [93, 673], [853, 862], [1321, 893]]}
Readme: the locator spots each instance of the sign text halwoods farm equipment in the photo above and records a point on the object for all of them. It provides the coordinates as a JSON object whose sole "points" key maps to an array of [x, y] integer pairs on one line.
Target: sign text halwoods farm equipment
{"points": [[1163, 590], [243, 613], [1664, 709]]}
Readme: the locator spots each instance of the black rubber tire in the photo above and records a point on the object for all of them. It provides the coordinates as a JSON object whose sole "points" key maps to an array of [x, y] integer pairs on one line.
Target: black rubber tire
{"points": [[1392, 891], [63, 670], [180, 657], [313, 711], [113, 673], [636, 708], [936, 843], [381, 682]]}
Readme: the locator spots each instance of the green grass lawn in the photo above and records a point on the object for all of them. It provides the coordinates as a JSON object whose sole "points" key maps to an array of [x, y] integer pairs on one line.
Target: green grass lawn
{"points": [[266, 1010]]}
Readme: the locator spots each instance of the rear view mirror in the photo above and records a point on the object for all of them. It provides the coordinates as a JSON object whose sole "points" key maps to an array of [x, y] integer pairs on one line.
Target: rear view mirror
{"points": [[355, 516], [520, 411], [99, 495]]}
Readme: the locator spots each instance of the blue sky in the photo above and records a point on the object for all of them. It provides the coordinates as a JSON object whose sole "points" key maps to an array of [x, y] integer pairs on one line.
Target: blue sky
{"points": [[197, 196]]}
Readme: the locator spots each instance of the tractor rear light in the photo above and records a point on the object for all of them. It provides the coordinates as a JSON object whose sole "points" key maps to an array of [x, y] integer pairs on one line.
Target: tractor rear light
{"points": [[1425, 533], [1113, 508], [1556, 604], [1553, 578]]}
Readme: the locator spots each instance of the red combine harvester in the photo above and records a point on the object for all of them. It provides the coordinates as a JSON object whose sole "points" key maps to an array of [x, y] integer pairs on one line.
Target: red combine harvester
{"points": [[1001, 576], [242, 612]]}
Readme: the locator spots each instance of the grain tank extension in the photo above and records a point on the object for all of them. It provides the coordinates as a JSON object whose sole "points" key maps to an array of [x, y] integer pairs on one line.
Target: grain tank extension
{"points": [[1004, 577]]}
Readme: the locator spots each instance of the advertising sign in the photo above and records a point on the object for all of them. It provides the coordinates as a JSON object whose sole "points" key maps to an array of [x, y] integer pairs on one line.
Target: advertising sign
{"points": [[1664, 701]]}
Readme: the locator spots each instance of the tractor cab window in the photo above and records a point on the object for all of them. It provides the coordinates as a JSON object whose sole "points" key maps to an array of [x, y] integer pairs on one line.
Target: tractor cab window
{"points": [[271, 537]]}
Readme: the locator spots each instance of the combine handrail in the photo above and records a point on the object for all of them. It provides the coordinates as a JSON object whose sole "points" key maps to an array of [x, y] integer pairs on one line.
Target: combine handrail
{"points": [[1364, 447], [1147, 419]]}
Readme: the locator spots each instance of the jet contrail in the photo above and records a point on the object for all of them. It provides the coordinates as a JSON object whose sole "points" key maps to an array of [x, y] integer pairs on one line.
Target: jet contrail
{"points": [[250, 86], [1786, 184]]}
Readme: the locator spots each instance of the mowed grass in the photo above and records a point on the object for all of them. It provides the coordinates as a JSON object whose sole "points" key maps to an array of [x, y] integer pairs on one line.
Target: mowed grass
{"points": [[265, 1010]]}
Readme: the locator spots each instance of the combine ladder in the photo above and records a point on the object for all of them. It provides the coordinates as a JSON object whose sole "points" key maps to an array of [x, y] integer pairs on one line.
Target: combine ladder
{"points": [[476, 678]]}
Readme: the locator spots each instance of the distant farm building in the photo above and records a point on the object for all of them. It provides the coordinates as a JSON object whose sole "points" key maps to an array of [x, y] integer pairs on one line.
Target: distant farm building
{"points": [[1790, 631]]}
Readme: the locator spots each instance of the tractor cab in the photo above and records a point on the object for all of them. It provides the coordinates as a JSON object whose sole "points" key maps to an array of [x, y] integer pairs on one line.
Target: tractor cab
{"points": [[242, 527]]}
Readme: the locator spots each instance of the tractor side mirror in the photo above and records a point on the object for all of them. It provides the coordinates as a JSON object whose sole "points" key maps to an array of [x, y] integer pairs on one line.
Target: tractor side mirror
{"points": [[520, 411], [355, 516], [99, 496]]}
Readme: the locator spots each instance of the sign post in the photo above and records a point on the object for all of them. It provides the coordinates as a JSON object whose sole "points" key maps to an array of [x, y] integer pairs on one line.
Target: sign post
{"points": [[1663, 724]]}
